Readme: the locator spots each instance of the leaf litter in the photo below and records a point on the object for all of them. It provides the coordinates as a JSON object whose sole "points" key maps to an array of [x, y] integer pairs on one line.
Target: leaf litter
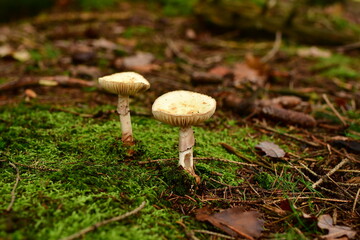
{"points": [[271, 149], [335, 231], [234, 221]]}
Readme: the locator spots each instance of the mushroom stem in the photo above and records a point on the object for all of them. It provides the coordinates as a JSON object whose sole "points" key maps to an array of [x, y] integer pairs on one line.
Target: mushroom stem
{"points": [[186, 144], [124, 113]]}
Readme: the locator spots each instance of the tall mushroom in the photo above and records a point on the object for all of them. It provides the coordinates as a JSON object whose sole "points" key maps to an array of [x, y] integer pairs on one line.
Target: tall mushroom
{"points": [[184, 109], [125, 84]]}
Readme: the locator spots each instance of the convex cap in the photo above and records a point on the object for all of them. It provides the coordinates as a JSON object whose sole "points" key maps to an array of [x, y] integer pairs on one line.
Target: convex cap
{"points": [[125, 83], [183, 108]]}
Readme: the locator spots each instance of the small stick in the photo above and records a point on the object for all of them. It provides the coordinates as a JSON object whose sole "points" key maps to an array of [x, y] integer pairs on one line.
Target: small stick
{"points": [[341, 188], [99, 224], [38, 168], [355, 201], [200, 158], [274, 50], [189, 233], [14, 188], [232, 150], [331, 172], [333, 109], [214, 234], [289, 136]]}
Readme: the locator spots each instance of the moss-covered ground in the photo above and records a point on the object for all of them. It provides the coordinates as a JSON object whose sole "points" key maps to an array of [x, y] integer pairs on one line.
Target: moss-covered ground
{"points": [[82, 174], [63, 143], [75, 172]]}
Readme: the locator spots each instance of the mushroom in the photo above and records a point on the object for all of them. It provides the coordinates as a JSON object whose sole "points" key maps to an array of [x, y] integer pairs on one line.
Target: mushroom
{"points": [[184, 109], [125, 84]]}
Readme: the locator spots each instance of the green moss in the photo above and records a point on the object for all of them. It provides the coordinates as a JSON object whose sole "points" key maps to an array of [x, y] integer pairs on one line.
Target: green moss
{"points": [[97, 178], [137, 31], [341, 72]]}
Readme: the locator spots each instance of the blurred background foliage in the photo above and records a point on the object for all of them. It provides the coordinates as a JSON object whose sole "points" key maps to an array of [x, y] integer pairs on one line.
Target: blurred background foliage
{"points": [[12, 10]]}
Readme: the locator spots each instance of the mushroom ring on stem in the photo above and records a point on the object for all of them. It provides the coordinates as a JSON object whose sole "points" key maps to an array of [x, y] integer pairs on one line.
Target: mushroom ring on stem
{"points": [[125, 84], [184, 109]]}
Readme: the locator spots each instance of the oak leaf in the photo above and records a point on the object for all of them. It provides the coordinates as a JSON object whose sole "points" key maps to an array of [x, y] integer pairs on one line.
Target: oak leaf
{"points": [[234, 221], [271, 149], [335, 231]]}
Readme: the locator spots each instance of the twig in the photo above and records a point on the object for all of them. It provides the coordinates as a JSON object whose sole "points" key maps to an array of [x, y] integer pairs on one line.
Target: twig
{"points": [[348, 47], [274, 50], [341, 188], [288, 135], [158, 160], [189, 233], [38, 168], [200, 158], [99, 224], [46, 81], [232, 150], [356, 200], [14, 188], [332, 171], [214, 234], [334, 110], [174, 48], [224, 184]]}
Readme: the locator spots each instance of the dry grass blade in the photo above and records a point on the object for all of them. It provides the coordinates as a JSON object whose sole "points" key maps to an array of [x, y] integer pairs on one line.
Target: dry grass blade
{"points": [[334, 110], [99, 224], [14, 188]]}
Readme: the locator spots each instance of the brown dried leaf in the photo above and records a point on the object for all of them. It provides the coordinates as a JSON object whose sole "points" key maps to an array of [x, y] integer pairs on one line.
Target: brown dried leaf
{"points": [[244, 74], [104, 43], [220, 71], [271, 149], [289, 116], [335, 231], [234, 221], [141, 61], [6, 50]]}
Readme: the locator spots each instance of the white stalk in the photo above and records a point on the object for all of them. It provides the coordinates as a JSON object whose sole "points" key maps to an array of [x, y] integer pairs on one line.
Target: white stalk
{"points": [[186, 144], [125, 120]]}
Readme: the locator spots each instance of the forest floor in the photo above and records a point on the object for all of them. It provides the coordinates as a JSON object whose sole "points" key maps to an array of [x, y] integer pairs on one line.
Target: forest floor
{"points": [[283, 145]]}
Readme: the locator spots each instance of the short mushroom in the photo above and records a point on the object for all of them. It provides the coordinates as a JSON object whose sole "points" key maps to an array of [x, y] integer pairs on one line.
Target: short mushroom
{"points": [[125, 84], [184, 109]]}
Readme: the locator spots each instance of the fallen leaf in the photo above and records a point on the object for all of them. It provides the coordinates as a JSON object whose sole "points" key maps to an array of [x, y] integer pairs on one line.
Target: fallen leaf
{"points": [[5, 50], [244, 74], [335, 231], [220, 71], [104, 43], [271, 149], [21, 55], [140, 60], [86, 72], [234, 221], [313, 52]]}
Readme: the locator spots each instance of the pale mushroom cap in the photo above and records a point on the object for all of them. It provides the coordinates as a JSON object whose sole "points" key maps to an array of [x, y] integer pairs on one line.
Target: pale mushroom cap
{"points": [[124, 83], [183, 108]]}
